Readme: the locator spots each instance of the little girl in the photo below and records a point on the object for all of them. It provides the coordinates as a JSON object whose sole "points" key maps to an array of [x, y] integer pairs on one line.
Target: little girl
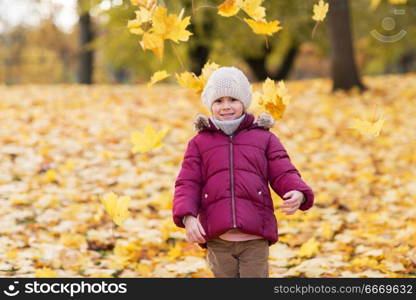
{"points": [[221, 194]]}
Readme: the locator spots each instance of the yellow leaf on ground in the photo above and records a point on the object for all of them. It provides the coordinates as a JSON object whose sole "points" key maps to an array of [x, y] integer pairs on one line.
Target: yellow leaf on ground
{"points": [[309, 248], [45, 273]]}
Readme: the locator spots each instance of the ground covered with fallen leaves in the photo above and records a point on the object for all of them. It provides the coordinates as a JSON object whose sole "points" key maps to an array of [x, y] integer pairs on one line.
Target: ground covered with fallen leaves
{"points": [[63, 146]]}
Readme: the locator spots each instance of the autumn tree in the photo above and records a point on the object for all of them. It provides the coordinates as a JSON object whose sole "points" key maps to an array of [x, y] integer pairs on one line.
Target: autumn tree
{"points": [[343, 66], [86, 36]]}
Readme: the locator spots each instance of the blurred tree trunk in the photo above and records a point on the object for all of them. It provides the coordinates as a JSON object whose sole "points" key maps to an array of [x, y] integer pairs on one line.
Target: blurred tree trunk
{"points": [[86, 56], [343, 67], [199, 45], [258, 64], [198, 57], [288, 62]]}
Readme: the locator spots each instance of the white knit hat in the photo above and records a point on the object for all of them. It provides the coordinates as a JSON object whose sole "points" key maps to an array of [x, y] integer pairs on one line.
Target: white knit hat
{"points": [[227, 81]]}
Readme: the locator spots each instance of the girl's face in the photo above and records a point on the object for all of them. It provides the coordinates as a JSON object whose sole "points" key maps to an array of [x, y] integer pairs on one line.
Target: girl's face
{"points": [[227, 108]]}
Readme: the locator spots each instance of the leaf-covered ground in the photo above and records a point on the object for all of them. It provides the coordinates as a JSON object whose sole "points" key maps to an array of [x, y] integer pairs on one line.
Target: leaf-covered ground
{"points": [[63, 146]]}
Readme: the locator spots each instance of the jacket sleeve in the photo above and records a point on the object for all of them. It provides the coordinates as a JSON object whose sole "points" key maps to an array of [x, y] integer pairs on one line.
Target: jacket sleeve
{"points": [[282, 174], [186, 199]]}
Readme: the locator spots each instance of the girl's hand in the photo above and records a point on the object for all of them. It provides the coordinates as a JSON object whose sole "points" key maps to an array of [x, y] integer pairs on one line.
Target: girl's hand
{"points": [[294, 200], [194, 230]]}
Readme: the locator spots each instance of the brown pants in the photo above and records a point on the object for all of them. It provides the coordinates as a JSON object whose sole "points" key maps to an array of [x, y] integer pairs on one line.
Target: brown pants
{"points": [[238, 259]]}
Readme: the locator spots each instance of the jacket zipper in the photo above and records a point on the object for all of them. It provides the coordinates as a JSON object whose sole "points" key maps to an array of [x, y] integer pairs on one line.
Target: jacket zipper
{"points": [[232, 182]]}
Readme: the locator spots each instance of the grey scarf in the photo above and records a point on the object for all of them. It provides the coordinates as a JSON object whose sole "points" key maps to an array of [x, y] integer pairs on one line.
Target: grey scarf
{"points": [[227, 126]]}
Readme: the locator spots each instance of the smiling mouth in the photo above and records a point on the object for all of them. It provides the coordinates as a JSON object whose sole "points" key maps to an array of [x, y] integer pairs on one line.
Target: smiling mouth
{"points": [[230, 114]]}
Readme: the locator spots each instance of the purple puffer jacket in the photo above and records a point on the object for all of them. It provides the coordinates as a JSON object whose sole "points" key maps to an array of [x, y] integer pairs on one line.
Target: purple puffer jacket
{"points": [[224, 179]]}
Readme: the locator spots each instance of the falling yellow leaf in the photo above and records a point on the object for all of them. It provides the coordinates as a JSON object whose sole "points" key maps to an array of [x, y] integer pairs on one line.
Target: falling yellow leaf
{"points": [[229, 8], [116, 207], [207, 70], [320, 10], [133, 24], [263, 27], [163, 27], [365, 127], [191, 81], [154, 43], [178, 30], [147, 140], [158, 76], [274, 99], [170, 26], [254, 9], [143, 15], [282, 92], [309, 248]]}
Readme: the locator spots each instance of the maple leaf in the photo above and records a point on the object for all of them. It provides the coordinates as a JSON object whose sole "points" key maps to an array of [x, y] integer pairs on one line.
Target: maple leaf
{"points": [[127, 251], [170, 26], [263, 27], [229, 8], [274, 99], [282, 92], [365, 127], [158, 76], [134, 27], [147, 140], [45, 273], [163, 27], [154, 43], [143, 15], [189, 80], [207, 70], [254, 9], [116, 207], [320, 10], [309, 248]]}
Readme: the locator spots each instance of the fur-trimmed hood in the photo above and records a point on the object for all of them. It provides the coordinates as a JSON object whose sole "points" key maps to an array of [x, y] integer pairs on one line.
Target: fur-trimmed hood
{"points": [[202, 122]]}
